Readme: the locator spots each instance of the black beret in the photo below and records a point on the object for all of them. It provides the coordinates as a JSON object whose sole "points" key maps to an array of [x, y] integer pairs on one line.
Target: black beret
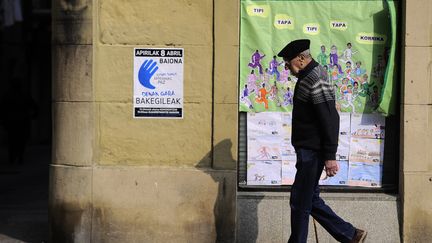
{"points": [[294, 48]]}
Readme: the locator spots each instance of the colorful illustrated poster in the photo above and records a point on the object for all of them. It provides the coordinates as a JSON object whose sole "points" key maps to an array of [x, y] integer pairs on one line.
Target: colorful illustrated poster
{"points": [[265, 124], [340, 179], [266, 130], [360, 151], [158, 83], [368, 126], [264, 148], [366, 159], [269, 144], [264, 172], [365, 174], [354, 46], [366, 150]]}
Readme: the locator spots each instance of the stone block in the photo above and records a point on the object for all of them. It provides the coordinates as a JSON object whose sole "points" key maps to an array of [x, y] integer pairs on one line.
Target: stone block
{"points": [[166, 142], [418, 75], [226, 74], [416, 140], [72, 31], [377, 213], [72, 73], [417, 17], [73, 129], [378, 216], [70, 204], [114, 73], [225, 136], [128, 208], [72, 22], [417, 207], [227, 21], [146, 22], [68, 9]]}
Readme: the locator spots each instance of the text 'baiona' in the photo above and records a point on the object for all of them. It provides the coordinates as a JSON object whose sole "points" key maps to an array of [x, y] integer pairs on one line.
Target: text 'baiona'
{"points": [[170, 60]]}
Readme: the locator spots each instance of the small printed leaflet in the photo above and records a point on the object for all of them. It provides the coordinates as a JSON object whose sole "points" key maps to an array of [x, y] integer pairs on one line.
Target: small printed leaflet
{"points": [[340, 179], [264, 172], [158, 83], [264, 148], [365, 174], [368, 126]]}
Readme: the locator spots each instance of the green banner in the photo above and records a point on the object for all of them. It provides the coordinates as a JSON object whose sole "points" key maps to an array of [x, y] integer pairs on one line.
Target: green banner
{"points": [[354, 40], [388, 99]]}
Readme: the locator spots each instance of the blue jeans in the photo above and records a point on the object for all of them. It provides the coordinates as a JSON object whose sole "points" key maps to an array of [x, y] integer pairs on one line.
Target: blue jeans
{"points": [[305, 201]]}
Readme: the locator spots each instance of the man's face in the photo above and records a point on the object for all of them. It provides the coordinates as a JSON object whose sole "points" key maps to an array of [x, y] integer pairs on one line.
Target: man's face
{"points": [[293, 65]]}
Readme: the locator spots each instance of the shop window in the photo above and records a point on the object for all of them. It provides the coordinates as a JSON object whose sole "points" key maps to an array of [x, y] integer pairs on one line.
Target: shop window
{"points": [[356, 42]]}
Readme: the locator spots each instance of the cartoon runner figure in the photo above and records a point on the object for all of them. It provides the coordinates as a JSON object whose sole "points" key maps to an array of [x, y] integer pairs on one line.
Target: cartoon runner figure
{"points": [[355, 90], [245, 97], [348, 69], [364, 92], [273, 67], [274, 94], [288, 97], [322, 57], [344, 88], [255, 61], [285, 74], [358, 71], [263, 153], [335, 73], [334, 58], [262, 96], [347, 53], [273, 91], [349, 98], [252, 82], [266, 77], [259, 177]]}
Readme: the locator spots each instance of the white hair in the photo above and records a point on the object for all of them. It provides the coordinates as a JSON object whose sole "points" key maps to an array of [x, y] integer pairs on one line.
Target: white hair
{"points": [[305, 53]]}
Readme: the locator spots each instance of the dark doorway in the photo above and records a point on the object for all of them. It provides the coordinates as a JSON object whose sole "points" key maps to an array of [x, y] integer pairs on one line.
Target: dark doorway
{"points": [[25, 119]]}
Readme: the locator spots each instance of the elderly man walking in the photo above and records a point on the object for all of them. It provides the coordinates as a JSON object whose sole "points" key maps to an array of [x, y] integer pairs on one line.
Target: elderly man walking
{"points": [[315, 129]]}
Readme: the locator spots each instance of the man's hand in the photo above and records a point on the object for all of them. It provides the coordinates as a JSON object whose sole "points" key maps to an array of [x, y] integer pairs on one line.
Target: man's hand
{"points": [[331, 167]]}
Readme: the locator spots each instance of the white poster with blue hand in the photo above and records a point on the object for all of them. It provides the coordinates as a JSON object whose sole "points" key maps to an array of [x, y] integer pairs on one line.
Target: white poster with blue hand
{"points": [[158, 82]]}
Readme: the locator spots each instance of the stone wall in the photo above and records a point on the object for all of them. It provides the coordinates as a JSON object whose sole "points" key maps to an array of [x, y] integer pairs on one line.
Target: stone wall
{"points": [[416, 123], [115, 178], [118, 179]]}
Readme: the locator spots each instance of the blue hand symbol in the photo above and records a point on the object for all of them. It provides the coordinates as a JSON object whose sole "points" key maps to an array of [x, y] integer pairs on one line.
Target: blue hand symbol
{"points": [[147, 70]]}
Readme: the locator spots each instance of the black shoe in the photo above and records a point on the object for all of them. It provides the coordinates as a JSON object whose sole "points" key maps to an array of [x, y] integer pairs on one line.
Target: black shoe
{"points": [[359, 236]]}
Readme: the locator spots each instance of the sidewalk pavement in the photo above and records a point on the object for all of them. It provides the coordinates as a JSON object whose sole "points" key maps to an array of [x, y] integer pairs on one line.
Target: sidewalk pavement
{"points": [[24, 196]]}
